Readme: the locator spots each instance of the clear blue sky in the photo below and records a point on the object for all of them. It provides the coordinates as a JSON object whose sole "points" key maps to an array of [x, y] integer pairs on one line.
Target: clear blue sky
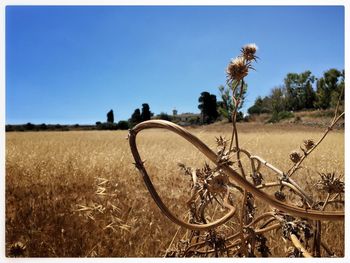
{"points": [[73, 64]]}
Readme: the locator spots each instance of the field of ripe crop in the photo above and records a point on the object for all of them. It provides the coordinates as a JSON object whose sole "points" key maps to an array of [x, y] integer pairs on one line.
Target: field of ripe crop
{"points": [[77, 194]]}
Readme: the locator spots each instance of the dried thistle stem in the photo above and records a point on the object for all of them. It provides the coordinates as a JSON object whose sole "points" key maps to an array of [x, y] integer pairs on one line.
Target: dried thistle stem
{"points": [[299, 246], [296, 166]]}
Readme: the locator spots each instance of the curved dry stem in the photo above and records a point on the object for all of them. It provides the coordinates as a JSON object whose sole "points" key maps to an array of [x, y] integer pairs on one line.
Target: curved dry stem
{"points": [[150, 186], [261, 217], [308, 213]]}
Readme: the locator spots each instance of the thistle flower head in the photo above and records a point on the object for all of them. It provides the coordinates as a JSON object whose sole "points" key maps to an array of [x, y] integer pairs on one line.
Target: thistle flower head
{"points": [[257, 178], [309, 144], [17, 249], [280, 196], [248, 51], [330, 184], [237, 69], [295, 156]]}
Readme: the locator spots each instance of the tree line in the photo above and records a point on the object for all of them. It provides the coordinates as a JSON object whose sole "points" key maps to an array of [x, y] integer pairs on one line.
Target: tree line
{"points": [[138, 116], [298, 93]]}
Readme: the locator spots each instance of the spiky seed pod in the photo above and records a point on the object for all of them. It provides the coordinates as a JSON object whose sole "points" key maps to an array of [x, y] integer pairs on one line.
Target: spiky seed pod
{"points": [[17, 249], [330, 184], [280, 196], [262, 246], [295, 156], [293, 252], [257, 178], [248, 51], [309, 144], [237, 69]]}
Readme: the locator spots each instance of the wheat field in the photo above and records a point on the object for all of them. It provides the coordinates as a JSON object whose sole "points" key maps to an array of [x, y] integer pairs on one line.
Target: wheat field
{"points": [[78, 194]]}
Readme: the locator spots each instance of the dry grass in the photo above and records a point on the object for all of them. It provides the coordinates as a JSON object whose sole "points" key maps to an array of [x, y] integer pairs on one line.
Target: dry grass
{"points": [[78, 193]]}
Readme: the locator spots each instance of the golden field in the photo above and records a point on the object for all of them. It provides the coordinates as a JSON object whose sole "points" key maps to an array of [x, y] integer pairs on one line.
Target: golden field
{"points": [[77, 194]]}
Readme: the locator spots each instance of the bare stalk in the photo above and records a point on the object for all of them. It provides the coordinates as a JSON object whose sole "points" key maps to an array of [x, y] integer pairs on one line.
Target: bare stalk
{"points": [[299, 246], [215, 185], [296, 166]]}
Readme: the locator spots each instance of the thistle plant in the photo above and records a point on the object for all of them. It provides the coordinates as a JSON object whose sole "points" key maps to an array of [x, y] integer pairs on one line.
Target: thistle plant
{"points": [[233, 187]]}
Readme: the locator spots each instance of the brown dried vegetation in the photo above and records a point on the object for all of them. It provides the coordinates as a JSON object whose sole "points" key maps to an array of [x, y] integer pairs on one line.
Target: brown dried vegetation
{"points": [[77, 194], [225, 187]]}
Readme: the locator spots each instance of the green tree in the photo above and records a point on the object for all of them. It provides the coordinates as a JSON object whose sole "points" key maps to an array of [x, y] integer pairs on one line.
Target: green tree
{"points": [[261, 105], [135, 118], [299, 91], [339, 91], [123, 125], [208, 107], [226, 105], [278, 99], [146, 114], [110, 117], [165, 116], [329, 88], [310, 96]]}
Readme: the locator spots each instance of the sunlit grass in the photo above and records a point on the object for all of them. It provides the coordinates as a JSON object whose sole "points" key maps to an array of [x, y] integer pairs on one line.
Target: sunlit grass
{"points": [[56, 180]]}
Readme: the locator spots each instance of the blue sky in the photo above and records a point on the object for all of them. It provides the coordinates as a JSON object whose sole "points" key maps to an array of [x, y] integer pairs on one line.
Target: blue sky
{"points": [[73, 64]]}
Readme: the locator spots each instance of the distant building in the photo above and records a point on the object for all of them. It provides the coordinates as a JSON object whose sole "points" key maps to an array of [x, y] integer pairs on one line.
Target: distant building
{"points": [[185, 119]]}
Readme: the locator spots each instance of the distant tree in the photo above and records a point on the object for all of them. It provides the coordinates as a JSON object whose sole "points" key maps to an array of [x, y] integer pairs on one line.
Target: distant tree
{"points": [[9, 128], [257, 106], [278, 99], [208, 107], [330, 83], [339, 91], [165, 116], [225, 106], [299, 91], [135, 118], [240, 116], [261, 106], [146, 114], [43, 126], [310, 96], [98, 123], [123, 125], [29, 126], [110, 117]]}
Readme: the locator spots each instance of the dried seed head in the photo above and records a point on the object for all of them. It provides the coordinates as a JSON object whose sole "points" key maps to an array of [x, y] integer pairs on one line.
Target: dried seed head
{"points": [[218, 183], [293, 252], [295, 156], [280, 196], [17, 249], [309, 144], [237, 69], [262, 246], [257, 178], [248, 51], [330, 184]]}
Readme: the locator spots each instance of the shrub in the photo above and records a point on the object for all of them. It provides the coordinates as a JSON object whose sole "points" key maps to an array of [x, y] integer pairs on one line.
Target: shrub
{"points": [[278, 116], [123, 125]]}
